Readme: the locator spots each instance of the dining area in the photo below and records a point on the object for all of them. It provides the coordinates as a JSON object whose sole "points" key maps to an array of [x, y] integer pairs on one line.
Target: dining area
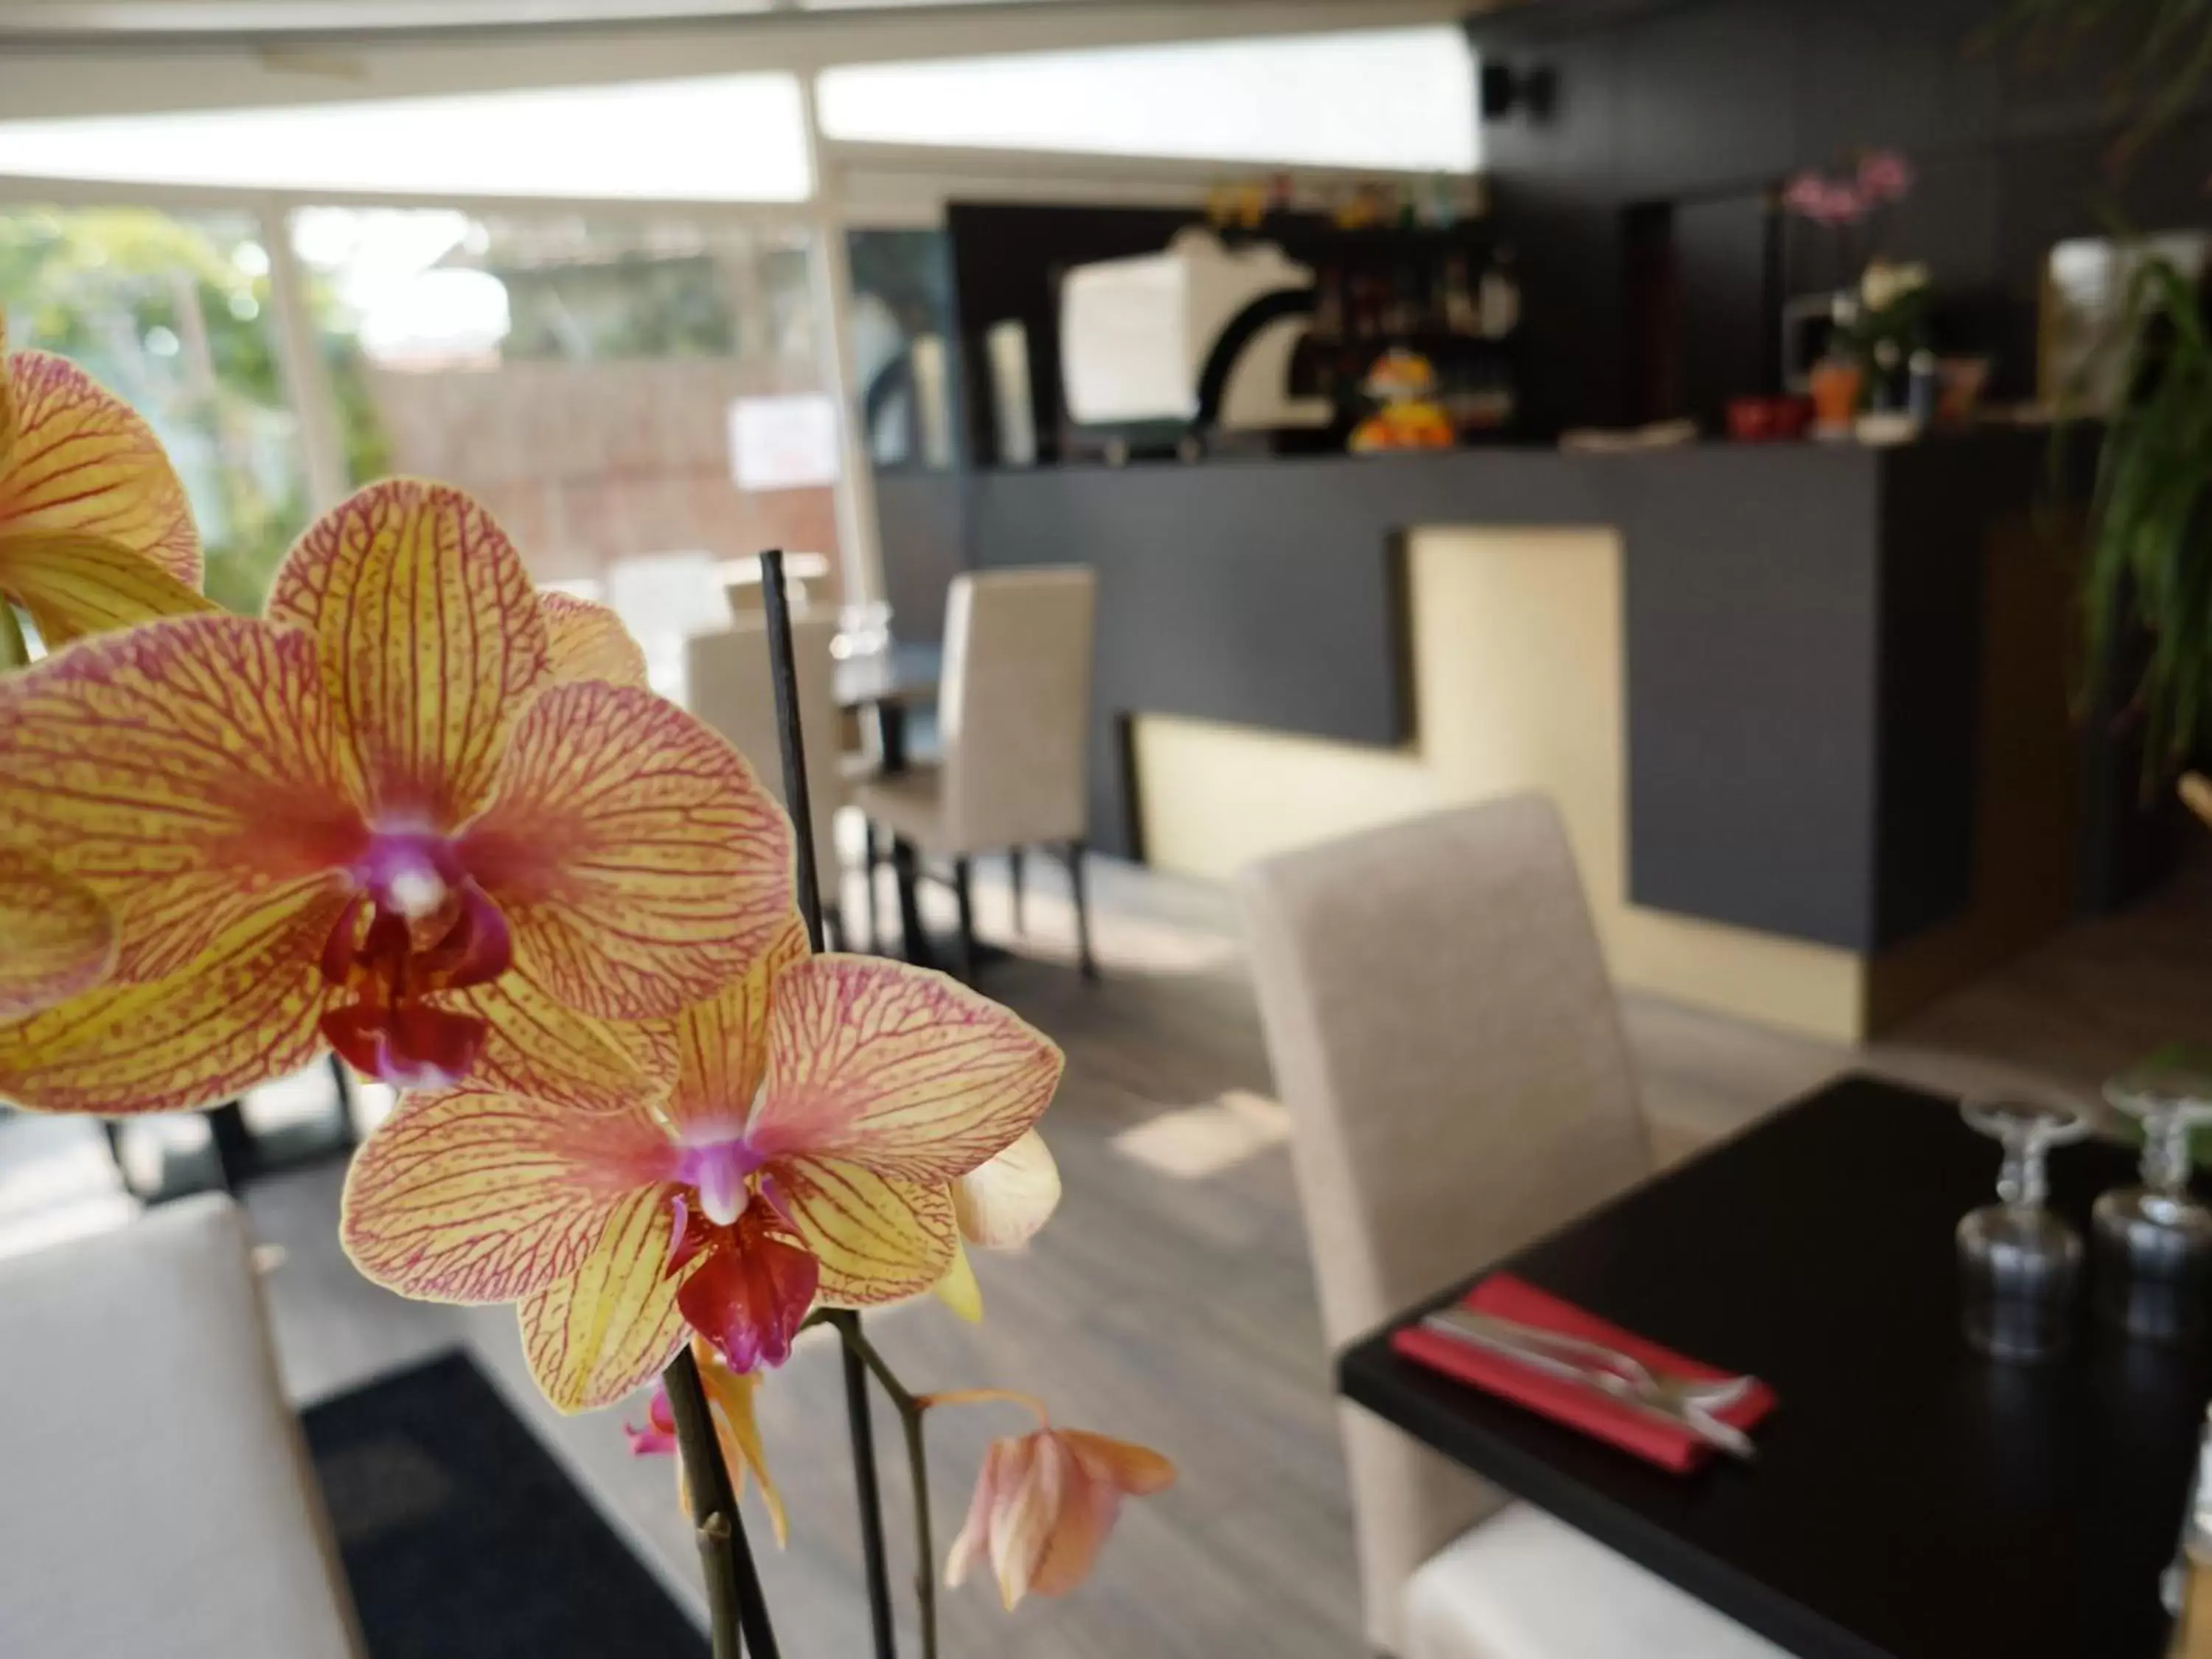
{"points": [[921, 757], [1886, 1375]]}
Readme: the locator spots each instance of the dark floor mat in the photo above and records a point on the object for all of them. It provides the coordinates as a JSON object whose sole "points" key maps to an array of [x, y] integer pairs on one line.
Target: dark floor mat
{"points": [[465, 1540]]}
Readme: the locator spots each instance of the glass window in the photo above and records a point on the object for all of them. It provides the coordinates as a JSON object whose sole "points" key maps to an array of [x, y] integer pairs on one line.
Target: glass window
{"points": [[172, 312], [577, 374], [730, 137], [1379, 98]]}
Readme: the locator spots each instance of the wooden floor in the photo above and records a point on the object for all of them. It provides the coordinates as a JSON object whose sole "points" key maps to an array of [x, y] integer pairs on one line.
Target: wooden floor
{"points": [[1174, 1308]]}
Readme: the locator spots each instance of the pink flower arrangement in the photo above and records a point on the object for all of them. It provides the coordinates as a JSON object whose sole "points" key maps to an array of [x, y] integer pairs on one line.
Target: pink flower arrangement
{"points": [[1881, 177]]}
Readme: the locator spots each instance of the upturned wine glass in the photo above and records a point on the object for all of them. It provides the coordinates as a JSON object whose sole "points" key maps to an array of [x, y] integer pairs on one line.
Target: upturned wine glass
{"points": [[2154, 1240], [2018, 1263]]}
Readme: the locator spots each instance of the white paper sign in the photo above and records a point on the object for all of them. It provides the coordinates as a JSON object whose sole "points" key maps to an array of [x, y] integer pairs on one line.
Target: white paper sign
{"points": [[783, 443]]}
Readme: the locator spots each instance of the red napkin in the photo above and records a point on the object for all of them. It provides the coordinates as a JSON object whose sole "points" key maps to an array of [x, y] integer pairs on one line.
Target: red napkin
{"points": [[1578, 1406]]}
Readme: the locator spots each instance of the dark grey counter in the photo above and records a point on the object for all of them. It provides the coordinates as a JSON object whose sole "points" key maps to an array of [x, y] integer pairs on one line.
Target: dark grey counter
{"points": [[1803, 635]]}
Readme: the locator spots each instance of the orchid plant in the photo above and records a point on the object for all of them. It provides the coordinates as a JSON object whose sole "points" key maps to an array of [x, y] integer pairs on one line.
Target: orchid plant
{"points": [[423, 816]]}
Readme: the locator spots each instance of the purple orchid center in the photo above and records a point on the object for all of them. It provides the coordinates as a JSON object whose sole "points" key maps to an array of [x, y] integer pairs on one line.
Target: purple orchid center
{"points": [[719, 1169], [409, 872]]}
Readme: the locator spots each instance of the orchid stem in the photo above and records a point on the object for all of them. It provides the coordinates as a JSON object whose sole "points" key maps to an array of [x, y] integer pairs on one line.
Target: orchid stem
{"points": [[15, 650], [734, 1603], [912, 1410]]}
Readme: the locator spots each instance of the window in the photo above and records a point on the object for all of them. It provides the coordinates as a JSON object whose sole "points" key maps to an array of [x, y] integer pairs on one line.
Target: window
{"points": [[1380, 97]]}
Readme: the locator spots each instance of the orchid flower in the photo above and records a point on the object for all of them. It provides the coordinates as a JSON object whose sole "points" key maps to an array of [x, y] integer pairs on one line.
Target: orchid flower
{"points": [[1045, 1502], [408, 814], [998, 1206], [730, 1400], [822, 1108], [94, 530]]}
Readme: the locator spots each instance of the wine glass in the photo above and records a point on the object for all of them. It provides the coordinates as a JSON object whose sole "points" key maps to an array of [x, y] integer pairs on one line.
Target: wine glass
{"points": [[2154, 1241], [2018, 1263]]}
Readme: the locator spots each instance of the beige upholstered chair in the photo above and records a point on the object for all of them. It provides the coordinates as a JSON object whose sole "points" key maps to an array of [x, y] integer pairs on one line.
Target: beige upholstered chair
{"points": [[1014, 717], [1446, 1041], [157, 1497], [727, 686]]}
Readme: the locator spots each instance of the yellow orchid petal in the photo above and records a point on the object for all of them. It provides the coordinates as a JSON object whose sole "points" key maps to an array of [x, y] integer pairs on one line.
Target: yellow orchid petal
{"points": [[244, 1012], [82, 462], [1001, 1204], [181, 770], [75, 584], [730, 1395], [877, 1238], [958, 1290], [906, 1071], [58, 937], [722, 1042], [612, 1325], [537, 1046], [430, 638], [587, 642], [470, 1195], [638, 861]]}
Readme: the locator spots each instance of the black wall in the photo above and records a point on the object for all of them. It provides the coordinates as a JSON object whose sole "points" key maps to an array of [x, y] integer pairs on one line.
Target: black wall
{"points": [[1714, 101]]}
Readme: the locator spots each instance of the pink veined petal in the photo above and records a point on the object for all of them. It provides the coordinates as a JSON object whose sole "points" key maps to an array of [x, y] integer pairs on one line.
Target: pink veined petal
{"points": [[470, 1195], [905, 1072], [183, 770], [613, 1325], [246, 1011], [56, 937], [430, 640], [588, 642], [721, 1042], [877, 1238], [639, 861], [80, 461]]}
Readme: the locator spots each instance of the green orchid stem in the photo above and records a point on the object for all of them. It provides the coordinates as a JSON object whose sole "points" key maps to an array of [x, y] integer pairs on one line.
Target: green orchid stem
{"points": [[734, 1604], [912, 1409], [15, 650]]}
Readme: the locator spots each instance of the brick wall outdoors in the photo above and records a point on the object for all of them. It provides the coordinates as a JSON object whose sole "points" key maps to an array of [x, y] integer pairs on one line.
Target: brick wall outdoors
{"points": [[587, 462]]}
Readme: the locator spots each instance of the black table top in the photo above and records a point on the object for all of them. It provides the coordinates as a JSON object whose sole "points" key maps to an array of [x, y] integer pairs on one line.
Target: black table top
{"points": [[1911, 1500], [905, 673]]}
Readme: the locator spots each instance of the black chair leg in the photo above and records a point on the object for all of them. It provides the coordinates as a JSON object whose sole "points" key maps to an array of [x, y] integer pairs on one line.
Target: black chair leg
{"points": [[964, 891], [1014, 875], [868, 872], [906, 866], [1084, 960], [233, 1147], [832, 929]]}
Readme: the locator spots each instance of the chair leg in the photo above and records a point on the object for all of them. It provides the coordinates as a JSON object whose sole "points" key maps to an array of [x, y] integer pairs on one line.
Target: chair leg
{"points": [[1084, 960], [913, 938], [234, 1146], [963, 890], [833, 928], [868, 865], [1014, 875]]}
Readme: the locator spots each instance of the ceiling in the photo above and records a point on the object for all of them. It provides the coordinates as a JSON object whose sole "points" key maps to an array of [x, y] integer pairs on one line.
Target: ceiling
{"points": [[91, 19]]}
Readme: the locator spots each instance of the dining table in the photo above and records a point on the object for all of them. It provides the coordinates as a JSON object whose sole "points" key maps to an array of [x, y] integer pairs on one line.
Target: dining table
{"points": [[1909, 1499]]}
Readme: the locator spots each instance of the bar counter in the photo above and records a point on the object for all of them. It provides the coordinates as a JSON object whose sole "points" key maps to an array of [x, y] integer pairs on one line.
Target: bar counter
{"points": [[1803, 706]]}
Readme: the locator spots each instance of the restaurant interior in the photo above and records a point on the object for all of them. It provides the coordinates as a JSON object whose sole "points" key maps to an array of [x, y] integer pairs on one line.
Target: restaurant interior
{"points": [[1542, 657]]}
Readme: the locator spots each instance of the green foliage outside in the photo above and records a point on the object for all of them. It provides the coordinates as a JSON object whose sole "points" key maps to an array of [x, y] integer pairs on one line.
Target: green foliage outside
{"points": [[173, 313]]}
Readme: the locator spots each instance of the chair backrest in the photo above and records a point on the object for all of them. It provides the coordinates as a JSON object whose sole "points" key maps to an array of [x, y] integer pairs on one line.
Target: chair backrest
{"points": [[1014, 711], [728, 686], [1446, 1043]]}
